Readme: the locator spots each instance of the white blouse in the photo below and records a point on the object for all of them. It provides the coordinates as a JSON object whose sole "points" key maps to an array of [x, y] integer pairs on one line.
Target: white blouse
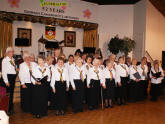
{"points": [[7, 68], [107, 75], [38, 72], [24, 73], [132, 71], [92, 75], [121, 72], [75, 74], [140, 70], [56, 76], [157, 80], [87, 67]]}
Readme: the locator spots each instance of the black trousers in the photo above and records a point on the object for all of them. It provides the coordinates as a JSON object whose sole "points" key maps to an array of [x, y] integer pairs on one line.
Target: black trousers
{"points": [[122, 90], [155, 90], [26, 97], [146, 87], [133, 90], [94, 94], [85, 92], [10, 89], [109, 92], [49, 91], [77, 96], [60, 95], [142, 89], [40, 99]]}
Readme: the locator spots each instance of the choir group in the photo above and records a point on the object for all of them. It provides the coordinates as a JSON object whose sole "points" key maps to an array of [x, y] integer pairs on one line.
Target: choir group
{"points": [[51, 82]]}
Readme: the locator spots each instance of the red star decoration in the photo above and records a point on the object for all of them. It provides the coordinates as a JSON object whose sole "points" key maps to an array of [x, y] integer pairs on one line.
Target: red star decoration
{"points": [[87, 14]]}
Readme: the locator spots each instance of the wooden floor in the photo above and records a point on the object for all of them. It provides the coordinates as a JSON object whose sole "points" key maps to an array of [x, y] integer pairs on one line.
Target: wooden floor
{"points": [[146, 112]]}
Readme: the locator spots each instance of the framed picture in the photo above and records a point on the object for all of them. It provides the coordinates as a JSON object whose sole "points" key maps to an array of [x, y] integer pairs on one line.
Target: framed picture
{"points": [[70, 38], [25, 35]]}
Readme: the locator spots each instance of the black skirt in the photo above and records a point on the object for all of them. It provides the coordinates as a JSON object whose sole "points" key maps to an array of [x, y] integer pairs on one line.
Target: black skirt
{"points": [[60, 95], [94, 94], [155, 90], [26, 97], [122, 90], [77, 96], [40, 99], [109, 92]]}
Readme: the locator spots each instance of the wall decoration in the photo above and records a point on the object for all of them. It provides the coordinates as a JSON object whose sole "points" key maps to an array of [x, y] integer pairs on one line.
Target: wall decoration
{"points": [[70, 38], [14, 3], [50, 32], [25, 36], [87, 14]]}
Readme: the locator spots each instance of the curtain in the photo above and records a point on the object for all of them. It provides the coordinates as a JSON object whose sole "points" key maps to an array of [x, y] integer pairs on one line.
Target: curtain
{"points": [[6, 33], [90, 38]]}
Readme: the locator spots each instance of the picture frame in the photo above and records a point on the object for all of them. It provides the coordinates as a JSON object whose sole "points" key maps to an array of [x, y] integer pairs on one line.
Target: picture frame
{"points": [[26, 34], [70, 38]]}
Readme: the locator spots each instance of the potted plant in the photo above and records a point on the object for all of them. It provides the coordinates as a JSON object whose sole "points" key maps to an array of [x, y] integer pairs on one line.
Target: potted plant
{"points": [[114, 45], [127, 45], [124, 45]]}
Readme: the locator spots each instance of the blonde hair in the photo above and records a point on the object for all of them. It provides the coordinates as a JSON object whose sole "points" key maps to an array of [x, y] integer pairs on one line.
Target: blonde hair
{"points": [[49, 58], [156, 62]]}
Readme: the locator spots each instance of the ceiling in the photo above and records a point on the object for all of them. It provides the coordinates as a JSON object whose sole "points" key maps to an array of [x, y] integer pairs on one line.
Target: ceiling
{"points": [[112, 2], [160, 5]]}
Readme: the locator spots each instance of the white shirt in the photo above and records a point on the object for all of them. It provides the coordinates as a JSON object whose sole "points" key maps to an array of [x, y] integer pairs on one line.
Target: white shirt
{"points": [[121, 72], [49, 66], [107, 75], [87, 67], [101, 67], [140, 70], [36, 72], [76, 74], [4, 119], [157, 80], [69, 68], [56, 76], [7, 68], [24, 73], [132, 71], [92, 75], [114, 65]]}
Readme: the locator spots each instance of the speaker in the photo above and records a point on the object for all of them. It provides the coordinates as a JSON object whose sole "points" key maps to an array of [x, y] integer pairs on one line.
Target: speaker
{"points": [[22, 42], [163, 59], [50, 44], [89, 50]]}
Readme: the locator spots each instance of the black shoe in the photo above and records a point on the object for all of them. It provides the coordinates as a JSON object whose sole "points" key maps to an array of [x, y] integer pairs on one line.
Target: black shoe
{"points": [[123, 102], [90, 108], [111, 105], [119, 102], [153, 99], [38, 116], [106, 106], [62, 112], [81, 110], [57, 113]]}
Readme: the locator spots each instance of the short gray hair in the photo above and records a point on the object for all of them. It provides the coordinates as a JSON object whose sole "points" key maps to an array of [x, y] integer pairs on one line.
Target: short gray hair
{"points": [[25, 55], [9, 49]]}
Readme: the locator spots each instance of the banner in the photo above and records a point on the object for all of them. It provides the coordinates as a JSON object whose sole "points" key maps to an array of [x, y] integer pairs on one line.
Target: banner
{"points": [[50, 32]]}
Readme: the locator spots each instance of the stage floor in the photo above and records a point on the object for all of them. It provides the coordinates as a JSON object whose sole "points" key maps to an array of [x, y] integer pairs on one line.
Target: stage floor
{"points": [[145, 112]]}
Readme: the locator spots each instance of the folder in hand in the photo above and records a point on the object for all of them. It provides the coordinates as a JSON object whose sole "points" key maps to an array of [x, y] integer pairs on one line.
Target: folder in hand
{"points": [[137, 75]]}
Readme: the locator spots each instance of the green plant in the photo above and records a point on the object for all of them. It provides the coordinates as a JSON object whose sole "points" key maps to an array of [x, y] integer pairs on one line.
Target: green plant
{"points": [[114, 45], [127, 45], [124, 45]]}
